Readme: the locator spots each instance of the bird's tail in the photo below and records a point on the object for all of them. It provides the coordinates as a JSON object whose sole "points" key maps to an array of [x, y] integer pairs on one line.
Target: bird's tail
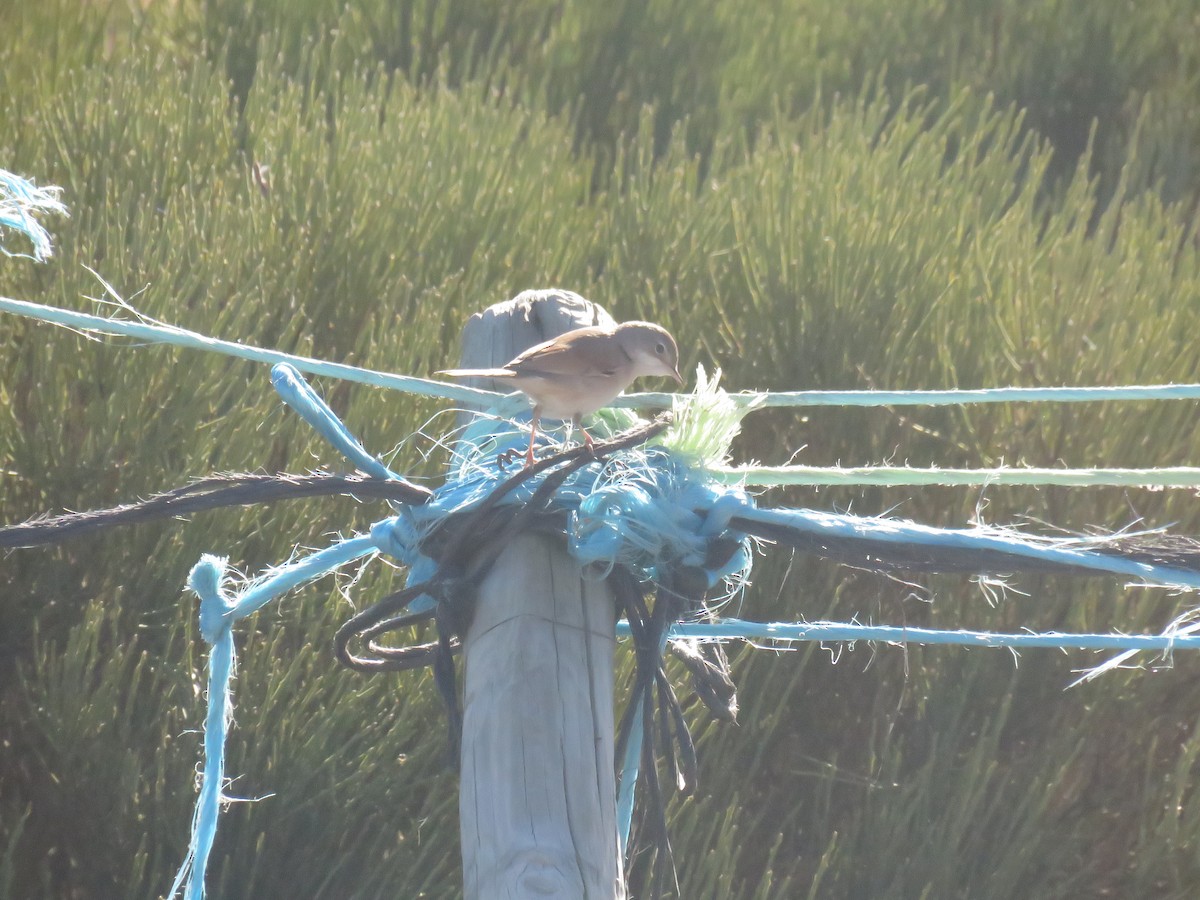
{"points": [[476, 373]]}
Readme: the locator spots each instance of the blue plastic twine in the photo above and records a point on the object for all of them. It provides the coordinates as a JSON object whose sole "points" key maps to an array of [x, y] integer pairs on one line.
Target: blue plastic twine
{"points": [[20, 201]]}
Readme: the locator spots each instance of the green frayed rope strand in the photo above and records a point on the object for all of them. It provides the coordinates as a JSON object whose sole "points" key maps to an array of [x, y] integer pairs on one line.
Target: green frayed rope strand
{"points": [[897, 476]]}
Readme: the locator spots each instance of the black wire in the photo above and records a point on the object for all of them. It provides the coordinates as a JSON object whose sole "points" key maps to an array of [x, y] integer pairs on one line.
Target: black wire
{"points": [[210, 493], [380, 618]]}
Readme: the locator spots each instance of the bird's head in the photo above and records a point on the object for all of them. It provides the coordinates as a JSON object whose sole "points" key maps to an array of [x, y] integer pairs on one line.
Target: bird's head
{"points": [[651, 348]]}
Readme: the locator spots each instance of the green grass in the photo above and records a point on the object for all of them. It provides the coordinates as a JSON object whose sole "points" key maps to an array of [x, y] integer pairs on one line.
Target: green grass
{"points": [[810, 195]]}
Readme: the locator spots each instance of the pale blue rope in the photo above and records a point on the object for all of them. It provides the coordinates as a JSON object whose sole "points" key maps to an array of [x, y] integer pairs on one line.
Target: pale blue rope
{"points": [[728, 629], [181, 337], [630, 769], [1079, 552], [20, 201], [631, 764], [951, 397], [218, 613], [297, 394]]}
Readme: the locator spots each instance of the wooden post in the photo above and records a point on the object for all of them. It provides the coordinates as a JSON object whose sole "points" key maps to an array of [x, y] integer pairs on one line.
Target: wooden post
{"points": [[537, 800]]}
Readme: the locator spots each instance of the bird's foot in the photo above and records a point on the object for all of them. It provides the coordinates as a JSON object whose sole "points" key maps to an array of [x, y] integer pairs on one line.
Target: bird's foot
{"points": [[508, 457]]}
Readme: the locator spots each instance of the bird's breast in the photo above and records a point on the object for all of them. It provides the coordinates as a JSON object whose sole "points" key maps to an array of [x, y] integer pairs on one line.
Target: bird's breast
{"points": [[564, 396]]}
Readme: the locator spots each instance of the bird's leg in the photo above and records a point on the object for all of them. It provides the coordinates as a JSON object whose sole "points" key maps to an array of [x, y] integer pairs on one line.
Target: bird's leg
{"points": [[577, 422], [532, 435]]}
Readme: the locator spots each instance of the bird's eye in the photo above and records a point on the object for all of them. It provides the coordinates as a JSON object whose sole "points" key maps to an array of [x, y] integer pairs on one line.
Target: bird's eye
{"points": [[660, 349]]}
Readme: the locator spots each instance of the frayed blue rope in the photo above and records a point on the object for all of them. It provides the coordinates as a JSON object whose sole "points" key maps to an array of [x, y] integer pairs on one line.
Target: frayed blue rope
{"points": [[731, 629], [951, 397], [640, 508], [1083, 552], [205, 580], [218, 612], [297, 394], [182, 337], [20, 200], [651, 512], [631, 765]]}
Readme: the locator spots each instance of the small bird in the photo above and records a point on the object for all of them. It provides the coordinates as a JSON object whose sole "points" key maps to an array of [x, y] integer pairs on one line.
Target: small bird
{"points": [[584, 370]]}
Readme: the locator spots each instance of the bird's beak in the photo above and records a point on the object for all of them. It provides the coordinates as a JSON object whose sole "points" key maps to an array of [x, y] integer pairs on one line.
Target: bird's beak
{"points": [[678, 378]]}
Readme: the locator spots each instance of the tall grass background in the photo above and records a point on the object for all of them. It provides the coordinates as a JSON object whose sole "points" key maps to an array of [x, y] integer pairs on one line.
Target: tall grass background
{"points": [[810, 195]]}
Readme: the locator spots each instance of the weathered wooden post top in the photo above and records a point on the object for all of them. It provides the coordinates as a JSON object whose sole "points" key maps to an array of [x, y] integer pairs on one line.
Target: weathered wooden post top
{"points": [[537, 800]]}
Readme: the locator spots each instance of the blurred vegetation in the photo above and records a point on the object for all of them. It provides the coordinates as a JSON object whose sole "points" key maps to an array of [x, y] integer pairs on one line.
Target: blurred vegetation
{"points": [[810, 194]]}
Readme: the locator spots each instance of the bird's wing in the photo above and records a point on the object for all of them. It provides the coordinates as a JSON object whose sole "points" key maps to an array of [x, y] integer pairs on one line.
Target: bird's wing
{"points": [[591, 352]]}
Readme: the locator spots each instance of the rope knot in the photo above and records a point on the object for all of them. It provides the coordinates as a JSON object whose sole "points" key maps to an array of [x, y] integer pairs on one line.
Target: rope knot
{"points": [[205, 580], [400, 536]]}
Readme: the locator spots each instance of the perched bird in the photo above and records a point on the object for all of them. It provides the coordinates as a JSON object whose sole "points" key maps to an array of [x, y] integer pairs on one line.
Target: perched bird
{"points": [[584, 370]]}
